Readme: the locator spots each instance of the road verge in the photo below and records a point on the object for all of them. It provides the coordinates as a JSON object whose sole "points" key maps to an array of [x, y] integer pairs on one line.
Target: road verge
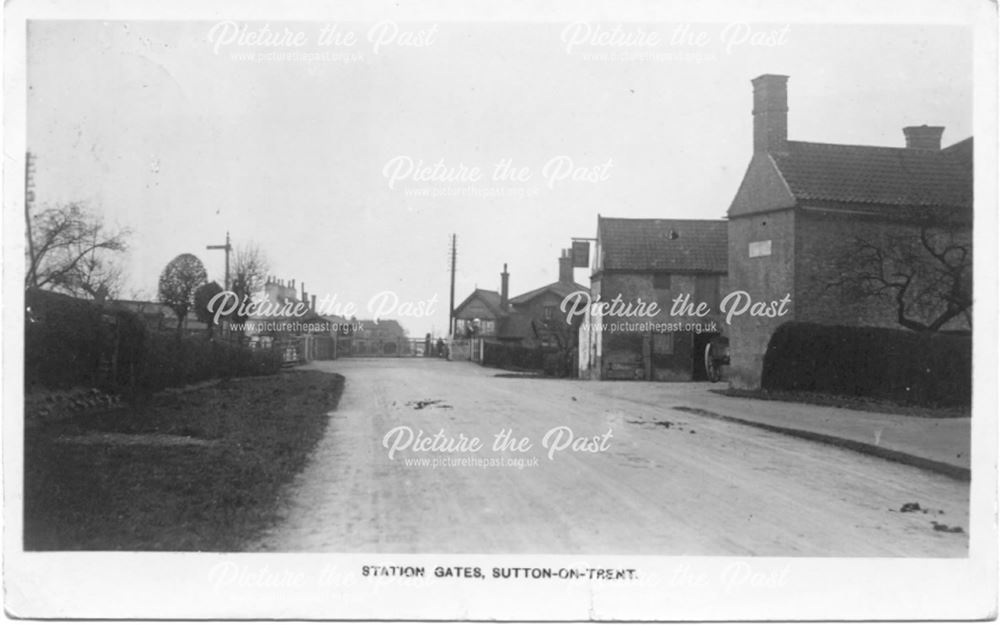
{"points": [[202, 470]]}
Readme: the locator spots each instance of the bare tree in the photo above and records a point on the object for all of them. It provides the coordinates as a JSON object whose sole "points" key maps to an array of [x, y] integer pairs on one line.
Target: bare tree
{"points": [[250, 270], [99, 276], [180, 279], [140, 296], [923, 272], [565, 335], [73, 251]]}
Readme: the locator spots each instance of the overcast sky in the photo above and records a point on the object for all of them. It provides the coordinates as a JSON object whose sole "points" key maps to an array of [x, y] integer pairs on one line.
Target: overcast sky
{"points": [[166, 128]]}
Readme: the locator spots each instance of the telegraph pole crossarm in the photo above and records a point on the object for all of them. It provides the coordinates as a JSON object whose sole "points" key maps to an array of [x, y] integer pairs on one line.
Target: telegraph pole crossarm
{"points": [[228, 248]]}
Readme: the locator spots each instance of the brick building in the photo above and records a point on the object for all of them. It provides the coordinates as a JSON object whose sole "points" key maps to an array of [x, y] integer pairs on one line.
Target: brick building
{"points": [[304, 335], [535, 319], [844, 229], [653, 260], [385, 337], [530, 319], [479, 313]]}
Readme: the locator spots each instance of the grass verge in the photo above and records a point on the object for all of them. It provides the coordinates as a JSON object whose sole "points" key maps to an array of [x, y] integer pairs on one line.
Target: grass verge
{"points": [[198, 471]]}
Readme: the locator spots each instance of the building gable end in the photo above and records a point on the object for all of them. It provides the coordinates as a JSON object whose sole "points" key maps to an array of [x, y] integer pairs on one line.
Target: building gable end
{"points": [[763, 189]]}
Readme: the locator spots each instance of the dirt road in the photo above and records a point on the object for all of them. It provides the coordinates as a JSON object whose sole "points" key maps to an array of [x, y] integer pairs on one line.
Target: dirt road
{"points": [[658, 481]]}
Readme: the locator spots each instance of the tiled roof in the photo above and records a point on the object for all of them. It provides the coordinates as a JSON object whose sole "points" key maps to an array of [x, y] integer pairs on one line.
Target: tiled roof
{"points": [[878, 175], [678, 245], [491, 299], [562, 289]]}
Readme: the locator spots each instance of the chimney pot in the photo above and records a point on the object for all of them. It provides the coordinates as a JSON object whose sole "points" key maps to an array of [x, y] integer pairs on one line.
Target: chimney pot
{"points": [[565, 267], [923, 137], [770, 112], [504, 289]]}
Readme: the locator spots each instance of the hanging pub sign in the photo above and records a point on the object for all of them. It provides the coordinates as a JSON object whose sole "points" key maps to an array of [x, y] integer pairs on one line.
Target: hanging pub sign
{"points": [[581, 253]]}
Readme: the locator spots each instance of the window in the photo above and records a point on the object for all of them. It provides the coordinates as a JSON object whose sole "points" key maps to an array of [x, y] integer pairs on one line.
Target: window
{"points": [[549, 313], [661, 281]]}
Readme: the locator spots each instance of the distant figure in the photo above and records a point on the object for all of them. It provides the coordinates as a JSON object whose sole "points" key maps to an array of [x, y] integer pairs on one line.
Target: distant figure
{"points": [[427, 345], [440, 348]]}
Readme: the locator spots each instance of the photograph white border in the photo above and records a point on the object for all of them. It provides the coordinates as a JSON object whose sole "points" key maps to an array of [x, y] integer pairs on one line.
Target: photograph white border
{"points": [[329, 586]]}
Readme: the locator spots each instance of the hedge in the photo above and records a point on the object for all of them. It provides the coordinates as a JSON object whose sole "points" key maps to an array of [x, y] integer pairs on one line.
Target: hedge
{"points": [[515, 357], [71, 342], [926, 369], [169, 362], [62, 340]]}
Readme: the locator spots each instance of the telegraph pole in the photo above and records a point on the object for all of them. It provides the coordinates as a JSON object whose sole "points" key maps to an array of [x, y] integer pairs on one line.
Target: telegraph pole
{"points": [[228, 248], [29, 197], [451, 301]]}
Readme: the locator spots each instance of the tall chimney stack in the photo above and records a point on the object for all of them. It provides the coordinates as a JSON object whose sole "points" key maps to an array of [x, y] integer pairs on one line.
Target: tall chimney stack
{"points": [[565, 267], [923, 137], [504, 289], [770, 113]]}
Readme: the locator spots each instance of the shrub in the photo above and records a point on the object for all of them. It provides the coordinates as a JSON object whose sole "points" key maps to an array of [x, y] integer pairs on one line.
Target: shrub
{"points": [[900, 365]]}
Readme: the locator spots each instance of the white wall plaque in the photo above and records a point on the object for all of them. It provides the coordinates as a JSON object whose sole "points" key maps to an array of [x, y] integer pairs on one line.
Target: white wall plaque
{"points": [[760, 248]]}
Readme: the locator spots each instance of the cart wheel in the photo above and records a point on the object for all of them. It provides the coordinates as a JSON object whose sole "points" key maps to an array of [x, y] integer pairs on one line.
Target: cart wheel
{"points": [[712, 369]]}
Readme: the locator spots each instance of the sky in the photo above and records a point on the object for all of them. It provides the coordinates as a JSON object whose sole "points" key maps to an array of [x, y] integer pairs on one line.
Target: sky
{"points": [[182, 131]]}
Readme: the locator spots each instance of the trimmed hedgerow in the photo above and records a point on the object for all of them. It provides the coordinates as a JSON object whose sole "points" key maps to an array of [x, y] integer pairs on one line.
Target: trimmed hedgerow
{"points": [[71, 342], [900, 365], [169, 362]]}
